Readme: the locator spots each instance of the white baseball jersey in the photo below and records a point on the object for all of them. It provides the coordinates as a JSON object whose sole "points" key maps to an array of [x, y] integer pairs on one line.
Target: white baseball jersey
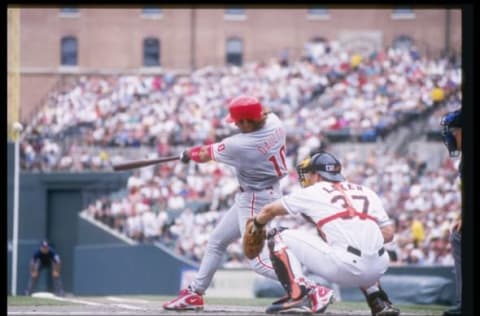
{"points": [[345, 213], [258, 157], [347, 216]]}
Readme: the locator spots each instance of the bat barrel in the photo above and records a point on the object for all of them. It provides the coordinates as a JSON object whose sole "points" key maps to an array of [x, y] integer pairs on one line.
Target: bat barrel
{"points": [[142, 163]]}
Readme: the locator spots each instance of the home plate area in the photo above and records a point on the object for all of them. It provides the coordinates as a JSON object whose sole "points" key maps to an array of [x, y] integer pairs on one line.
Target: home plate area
{"points": [[113, 305]]}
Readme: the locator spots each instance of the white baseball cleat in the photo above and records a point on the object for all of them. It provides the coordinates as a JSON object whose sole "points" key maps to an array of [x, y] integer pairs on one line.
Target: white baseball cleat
{"points": [[320, 297]]}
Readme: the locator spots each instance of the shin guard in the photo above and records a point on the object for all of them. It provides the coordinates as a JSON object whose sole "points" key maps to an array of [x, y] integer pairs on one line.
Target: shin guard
{"points": [[287, 267]]}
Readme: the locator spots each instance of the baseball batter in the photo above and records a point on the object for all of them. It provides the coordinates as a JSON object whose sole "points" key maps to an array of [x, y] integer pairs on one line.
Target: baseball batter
{"points": [[352, 227], [258, 156]]}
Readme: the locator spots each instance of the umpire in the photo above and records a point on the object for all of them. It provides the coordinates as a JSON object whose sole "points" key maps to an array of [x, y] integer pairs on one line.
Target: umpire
{"points": [[452, 136], [45, 257]]}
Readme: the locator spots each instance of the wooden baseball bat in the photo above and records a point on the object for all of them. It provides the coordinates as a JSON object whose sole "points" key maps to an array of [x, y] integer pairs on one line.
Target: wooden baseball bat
{"points": [[142, 163]]}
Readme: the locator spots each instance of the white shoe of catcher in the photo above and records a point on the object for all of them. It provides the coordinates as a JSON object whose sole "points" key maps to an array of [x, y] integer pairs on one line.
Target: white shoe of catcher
{"points": [[320, 297]]}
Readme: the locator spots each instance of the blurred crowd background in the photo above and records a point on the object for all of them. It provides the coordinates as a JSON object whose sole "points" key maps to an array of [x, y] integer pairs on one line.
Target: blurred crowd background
{"points": [[351, 105]]}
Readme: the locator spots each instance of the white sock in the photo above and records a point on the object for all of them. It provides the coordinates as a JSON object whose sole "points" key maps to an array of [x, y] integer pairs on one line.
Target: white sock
{"points": [[372, 289]]}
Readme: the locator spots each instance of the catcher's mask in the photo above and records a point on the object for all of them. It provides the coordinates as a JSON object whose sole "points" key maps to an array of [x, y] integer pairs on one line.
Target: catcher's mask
{"points": [[326, 164], [244, 108], [449, 123]]}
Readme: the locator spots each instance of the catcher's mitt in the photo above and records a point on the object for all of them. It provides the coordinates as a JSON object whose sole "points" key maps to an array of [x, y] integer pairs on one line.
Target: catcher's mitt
{"points": [[253, 239]]}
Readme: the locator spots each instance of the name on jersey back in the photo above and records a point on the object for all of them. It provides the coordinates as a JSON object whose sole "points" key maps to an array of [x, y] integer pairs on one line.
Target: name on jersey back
{"points": [[271, 141]]}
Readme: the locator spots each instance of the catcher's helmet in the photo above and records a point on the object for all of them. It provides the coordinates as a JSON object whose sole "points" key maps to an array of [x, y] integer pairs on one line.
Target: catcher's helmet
{"points": [[324, 163], [244, 108], [450, 121]]}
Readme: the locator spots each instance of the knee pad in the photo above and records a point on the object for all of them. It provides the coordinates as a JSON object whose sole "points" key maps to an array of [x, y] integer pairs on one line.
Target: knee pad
{"points": [[271, 236]]}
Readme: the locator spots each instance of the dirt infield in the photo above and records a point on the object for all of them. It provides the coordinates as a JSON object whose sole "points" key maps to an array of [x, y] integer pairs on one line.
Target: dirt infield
{"points": [[117, 310], [110, 305], [217, 310]]}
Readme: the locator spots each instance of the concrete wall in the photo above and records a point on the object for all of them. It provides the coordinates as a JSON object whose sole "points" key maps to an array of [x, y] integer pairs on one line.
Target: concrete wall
{"points": [[125, 269], [48, 208]]}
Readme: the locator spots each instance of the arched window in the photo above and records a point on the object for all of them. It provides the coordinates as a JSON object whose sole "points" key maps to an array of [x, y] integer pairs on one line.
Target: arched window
{"points": [[403, 42], [69, 12], [151, 52], [151, 11], [319, 40], [69, 51], [318, 12], [403, 13], [234, 11], [234, 54]]}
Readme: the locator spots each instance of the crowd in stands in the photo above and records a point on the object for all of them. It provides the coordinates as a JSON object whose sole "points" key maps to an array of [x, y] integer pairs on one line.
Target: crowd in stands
{"points": [[83, 125], [363, 96]]}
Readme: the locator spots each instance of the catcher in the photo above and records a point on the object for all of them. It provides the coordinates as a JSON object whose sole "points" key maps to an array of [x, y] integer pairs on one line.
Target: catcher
{"points": [[45, 257], [352, 227]]}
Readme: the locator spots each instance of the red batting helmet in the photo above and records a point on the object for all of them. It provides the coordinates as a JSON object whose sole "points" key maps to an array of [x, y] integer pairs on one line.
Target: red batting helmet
{"points": [[244, 108]]}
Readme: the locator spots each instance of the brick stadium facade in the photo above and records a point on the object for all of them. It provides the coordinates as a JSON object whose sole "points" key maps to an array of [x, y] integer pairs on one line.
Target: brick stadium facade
{"points": [[111, 40]]}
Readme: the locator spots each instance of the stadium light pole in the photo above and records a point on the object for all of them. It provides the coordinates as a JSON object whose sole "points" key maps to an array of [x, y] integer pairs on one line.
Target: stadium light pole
{"points": [[18, 128], [193, 39]]}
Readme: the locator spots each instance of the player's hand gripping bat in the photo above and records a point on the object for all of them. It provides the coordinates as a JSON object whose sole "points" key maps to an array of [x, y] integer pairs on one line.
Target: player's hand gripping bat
{"points": [[142, 163]]}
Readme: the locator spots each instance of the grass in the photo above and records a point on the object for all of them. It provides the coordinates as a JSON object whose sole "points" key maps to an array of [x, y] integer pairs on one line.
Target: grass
{"points": [[33, 301], [260, 302]]}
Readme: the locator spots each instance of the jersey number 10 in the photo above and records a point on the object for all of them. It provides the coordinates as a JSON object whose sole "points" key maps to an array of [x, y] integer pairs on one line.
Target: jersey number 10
{"points": [[274, 161]]}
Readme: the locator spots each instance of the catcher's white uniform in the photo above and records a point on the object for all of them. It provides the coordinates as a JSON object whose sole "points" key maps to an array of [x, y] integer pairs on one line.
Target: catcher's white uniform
{"points": [[349, 247]]}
